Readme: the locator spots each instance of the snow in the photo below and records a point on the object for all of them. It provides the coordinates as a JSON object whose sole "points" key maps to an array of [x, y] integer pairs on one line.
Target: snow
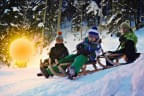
{"points": [[140, 35], [111, 18], [5, 24], [14, 25], [93, 7], [41, 24], [16, 16], [34, 9], [125, 80], [21, 14], [15, 9], [6, 10]]}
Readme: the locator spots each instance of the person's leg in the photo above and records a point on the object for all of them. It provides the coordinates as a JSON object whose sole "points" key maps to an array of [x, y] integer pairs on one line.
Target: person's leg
{"points": [[69, 58], [43, 67], [44, 72], [55, 69], [112, 58], [45, 63], [66, 59], [108, 63], [79, 61]]}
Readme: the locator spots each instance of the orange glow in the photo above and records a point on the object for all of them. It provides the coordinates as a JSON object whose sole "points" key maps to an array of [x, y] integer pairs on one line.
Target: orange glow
{"points": [[21, 49]]}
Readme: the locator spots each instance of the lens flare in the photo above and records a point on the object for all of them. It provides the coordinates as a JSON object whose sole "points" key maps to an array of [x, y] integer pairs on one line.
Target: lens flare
{"points": [[21, 50]]}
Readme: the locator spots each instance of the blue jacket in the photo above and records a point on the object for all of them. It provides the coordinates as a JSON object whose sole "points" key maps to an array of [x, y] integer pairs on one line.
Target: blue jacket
{"points": [[90, 49]]}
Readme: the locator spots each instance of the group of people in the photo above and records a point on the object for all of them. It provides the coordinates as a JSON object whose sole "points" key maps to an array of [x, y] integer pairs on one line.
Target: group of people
{"points": [[88, 51]]}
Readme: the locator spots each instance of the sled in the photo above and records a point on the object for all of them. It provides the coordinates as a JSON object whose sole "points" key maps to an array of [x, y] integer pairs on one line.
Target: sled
{"points": [[83, 71], [62, 72]]}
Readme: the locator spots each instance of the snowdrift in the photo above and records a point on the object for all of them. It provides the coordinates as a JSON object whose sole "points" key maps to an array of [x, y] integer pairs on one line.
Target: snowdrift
{"points": [[125, 80]]}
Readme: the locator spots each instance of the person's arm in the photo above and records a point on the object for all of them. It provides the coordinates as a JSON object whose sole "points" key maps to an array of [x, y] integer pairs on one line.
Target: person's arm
{"points": [[98, 50], [51, 54], [98, 47], [118, 51], [66, 51], [129, 47], [83, 48]]}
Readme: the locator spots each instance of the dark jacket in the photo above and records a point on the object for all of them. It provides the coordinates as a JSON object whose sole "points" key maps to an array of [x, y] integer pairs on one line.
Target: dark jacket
{"points": [[57, 52], [128, 49]]}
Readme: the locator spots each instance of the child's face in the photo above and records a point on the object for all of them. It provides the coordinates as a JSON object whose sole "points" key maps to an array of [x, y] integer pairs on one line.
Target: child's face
{"points": [[91, 39], [123, 31], [59, 41]]}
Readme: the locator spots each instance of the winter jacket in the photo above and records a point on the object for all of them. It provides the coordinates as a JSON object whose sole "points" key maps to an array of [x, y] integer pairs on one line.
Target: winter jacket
{"points": [[128, 46], [90, 49], [57, 52], [128, 36]]}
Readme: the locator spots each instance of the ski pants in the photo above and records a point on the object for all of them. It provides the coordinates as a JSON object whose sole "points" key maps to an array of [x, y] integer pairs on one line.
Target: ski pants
{"points": [[77, 62]]}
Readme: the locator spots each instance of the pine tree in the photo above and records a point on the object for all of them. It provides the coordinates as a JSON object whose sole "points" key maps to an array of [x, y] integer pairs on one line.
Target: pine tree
{"points": [[11, 16], [93, 13], [77, 16], [120, 11]]}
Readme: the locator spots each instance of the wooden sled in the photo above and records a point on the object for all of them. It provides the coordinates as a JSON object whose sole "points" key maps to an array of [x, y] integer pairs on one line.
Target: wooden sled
{"points": [[83, 71], [63, 73]]}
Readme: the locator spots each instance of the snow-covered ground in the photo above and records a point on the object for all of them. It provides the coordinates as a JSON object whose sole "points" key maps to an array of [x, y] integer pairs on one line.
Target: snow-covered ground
{"points": [[126, 80], [140, 35]]}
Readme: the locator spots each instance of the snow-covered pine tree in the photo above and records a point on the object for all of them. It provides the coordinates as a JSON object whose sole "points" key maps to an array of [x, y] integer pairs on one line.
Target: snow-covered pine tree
{"points": [[16, 16], [51, 19], [77, 16], [11, 16], [118, 11], [85, 11], [93, 13]]}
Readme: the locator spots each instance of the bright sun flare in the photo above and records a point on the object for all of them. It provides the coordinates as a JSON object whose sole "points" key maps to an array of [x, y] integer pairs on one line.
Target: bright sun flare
{"points": [[21, 49]]}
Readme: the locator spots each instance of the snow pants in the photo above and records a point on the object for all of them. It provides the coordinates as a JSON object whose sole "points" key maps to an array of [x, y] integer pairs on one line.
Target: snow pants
{"points": [[77, 62]]}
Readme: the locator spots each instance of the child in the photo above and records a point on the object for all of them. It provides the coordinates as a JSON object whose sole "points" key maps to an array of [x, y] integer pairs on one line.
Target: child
{"points": [[57, 52], [87, 51], [127, 49]]}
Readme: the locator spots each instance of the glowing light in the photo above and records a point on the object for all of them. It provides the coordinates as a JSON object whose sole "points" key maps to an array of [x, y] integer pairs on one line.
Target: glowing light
{"points": [[21, 50]]}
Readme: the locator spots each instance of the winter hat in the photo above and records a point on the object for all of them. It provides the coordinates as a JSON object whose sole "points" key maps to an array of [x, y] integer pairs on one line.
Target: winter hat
{"points": [[125, 25], [59, 33], [59, 37], [93, 32]]}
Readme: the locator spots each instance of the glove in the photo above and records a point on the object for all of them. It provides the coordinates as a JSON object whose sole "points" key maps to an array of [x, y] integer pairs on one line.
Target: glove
{"points": [[80, 46], [122, 38], [81, 49]]}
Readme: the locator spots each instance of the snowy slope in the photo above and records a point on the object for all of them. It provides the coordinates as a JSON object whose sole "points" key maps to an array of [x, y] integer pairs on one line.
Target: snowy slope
{"points": [[126, 80], [140, 35]]}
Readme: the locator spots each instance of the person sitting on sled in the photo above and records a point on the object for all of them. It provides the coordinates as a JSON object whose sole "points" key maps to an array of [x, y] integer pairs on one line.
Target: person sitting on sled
{"points": [[127, 48], [87, 51], [56, 53]]}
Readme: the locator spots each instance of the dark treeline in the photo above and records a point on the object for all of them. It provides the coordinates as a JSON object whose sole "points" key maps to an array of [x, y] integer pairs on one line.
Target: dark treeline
{"points": [[30, 13]]}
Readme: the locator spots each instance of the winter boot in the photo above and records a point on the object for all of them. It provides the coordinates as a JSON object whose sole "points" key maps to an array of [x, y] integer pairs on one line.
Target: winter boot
{"points": [[71, 73], [39, 74], [45, 73]]}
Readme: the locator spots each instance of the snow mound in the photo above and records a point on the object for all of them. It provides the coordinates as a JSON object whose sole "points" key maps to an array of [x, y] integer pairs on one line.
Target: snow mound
{"points": [[140, 35], [125, 80]]}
